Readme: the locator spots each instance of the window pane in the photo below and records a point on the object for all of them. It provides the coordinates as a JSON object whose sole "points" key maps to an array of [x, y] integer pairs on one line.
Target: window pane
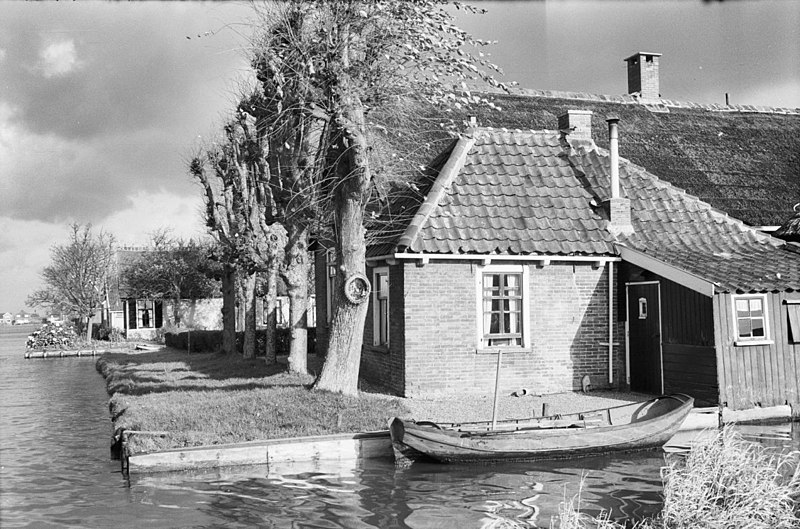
{"points": [[744, 328], [742, 308], [758, 327], [494, 326], [383, 285], [755, 308]]}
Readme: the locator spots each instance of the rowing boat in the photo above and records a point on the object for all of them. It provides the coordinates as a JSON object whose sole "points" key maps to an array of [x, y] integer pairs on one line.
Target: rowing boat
{"points": [[627, 427]]}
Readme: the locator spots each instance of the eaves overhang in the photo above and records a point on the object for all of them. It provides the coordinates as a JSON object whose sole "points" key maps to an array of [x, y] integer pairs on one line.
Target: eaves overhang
{"points": [[542, 259], [667, 270]]}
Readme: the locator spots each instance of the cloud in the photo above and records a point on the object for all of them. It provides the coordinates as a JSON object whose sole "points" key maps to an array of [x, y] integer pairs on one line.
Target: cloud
{"points": [[2, 54], [151, 211], [58, 59], [24, 252], [25, 244]]}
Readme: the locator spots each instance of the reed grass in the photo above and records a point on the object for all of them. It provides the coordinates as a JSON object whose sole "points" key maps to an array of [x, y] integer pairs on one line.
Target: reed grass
{"points": [[723, 483]]}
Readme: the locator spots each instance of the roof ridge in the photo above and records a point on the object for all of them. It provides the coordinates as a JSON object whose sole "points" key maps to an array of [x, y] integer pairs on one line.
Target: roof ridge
{"points": [[629, 99], [451, 168]]}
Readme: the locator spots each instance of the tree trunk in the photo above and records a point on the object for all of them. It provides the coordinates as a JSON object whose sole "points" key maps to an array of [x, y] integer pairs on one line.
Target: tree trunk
{"points": [[176, 317], [249, 311], [340, 371], [88, 329], [228, 309], [241, 300], [271, 339], [295, 273]]}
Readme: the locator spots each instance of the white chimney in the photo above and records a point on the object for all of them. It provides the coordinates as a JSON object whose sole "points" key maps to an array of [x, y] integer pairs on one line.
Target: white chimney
{"points": [[577, 124], [613, 149], [617, 207]]}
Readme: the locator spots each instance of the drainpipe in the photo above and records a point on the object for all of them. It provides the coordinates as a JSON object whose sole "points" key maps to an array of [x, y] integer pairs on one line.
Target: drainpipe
{"points": [[611, 322], [613, 140]]}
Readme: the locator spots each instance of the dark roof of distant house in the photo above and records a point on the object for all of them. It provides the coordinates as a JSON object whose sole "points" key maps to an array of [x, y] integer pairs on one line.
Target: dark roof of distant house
{"points": [[533, 192], [741, 159]]}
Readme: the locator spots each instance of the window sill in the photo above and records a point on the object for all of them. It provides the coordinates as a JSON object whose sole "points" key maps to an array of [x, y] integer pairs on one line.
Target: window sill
{"points": [[745, 343], [495, 350]]}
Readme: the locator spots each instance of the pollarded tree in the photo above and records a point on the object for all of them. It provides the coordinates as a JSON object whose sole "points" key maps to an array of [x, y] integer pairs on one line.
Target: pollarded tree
{"points": [[78, 274], [337, 61], [238, 212]]}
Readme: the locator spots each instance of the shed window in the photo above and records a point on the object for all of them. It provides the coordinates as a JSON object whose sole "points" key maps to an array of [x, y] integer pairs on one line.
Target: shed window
{"points": [[751, 318], [380, 306], [794, 322]]}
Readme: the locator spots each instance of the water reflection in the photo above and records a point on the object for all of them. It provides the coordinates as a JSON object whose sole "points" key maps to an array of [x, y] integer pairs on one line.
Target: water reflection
{"points": [[375, 494]]}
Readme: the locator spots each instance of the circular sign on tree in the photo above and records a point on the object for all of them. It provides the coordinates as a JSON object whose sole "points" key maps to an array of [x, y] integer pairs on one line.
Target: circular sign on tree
{"points": [[356, 288]]}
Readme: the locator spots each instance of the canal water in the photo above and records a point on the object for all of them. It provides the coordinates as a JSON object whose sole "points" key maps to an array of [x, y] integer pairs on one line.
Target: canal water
{"points": [[56, 471]]}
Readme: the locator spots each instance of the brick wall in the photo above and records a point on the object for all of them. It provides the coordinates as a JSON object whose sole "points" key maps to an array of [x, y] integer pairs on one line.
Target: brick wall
{"points": [[381, 364], [568, 320]]}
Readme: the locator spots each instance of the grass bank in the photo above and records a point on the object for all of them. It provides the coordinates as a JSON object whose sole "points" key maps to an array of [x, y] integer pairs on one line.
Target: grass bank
{"points": [[207, 399], [725, 482]]}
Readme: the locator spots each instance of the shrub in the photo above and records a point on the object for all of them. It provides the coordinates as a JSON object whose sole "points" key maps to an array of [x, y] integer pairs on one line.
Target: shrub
{"points": [[105, 332], [58, 334]]}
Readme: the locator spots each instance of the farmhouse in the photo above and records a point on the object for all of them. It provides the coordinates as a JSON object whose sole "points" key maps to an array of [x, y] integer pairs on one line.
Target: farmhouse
{"points": [[582, 265]]}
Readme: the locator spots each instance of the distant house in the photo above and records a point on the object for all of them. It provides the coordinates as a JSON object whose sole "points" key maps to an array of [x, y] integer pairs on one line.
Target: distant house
{"points": [[141, 318], [6, 318], [138, 318], [523, 243], [22, 318]]}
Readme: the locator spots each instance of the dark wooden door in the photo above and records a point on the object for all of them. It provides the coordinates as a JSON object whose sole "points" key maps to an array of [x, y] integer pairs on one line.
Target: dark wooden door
{"points": [[644, 327]]}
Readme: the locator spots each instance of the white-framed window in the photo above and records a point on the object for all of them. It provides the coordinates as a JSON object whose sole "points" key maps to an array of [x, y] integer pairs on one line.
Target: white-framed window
{"points": [[503, 301], [750, 319], [145, 314], [380, 306]]}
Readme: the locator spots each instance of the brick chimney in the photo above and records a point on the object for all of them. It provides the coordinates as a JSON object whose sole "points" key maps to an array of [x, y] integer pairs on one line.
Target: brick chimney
{"points": [[576, 123], [617, 207], [643, 75]]}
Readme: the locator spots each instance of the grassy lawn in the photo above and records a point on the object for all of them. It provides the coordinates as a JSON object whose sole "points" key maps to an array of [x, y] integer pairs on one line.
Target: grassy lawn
{"points": [[206, 398]]}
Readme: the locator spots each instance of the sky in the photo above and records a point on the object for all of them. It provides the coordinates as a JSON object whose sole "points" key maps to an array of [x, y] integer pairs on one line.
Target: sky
{"points": [[101, 104]]}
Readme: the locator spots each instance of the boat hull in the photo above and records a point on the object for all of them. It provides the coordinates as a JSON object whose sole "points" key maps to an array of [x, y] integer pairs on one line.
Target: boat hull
{"points": [[653, 423]]}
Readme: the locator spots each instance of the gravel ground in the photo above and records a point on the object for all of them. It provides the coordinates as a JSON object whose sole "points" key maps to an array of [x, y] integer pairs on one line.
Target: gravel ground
{"points": [[479, 408]]}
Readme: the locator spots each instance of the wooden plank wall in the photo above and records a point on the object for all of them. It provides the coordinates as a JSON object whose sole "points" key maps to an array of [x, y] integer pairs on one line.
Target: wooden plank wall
{"points": [[687, 335], [761, 375]]}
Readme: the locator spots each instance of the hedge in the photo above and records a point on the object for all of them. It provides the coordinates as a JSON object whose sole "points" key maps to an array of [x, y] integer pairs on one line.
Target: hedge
{"points": [[208, 341]]}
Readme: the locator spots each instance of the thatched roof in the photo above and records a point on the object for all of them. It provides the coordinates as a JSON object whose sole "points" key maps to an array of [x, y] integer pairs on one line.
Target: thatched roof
{"points": [[743, 160]]}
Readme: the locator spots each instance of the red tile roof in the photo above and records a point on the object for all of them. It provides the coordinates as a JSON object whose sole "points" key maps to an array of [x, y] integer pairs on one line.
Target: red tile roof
{"points": [[532, 192]]}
